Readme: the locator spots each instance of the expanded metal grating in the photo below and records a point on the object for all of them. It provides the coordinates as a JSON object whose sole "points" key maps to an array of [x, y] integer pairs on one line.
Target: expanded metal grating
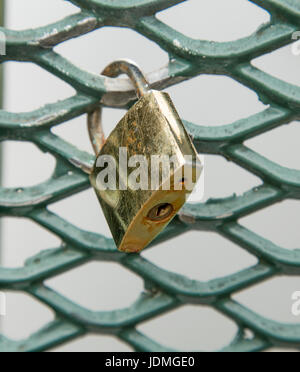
{"points": [[165, 290]]}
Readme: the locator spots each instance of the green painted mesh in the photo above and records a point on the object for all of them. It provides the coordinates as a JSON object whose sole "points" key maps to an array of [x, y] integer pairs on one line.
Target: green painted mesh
{"points": [[165, 291]]}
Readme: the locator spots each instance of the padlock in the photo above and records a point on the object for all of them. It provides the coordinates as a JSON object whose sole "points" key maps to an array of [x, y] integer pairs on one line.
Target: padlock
{"points": [[138, 204]]}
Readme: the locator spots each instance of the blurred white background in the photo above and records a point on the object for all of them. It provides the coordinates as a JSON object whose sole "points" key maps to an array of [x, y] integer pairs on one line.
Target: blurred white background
{"points": [[206, 100]]}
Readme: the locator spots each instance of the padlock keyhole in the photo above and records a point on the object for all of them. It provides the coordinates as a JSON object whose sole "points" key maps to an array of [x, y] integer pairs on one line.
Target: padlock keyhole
{"points": [[160, 212]]}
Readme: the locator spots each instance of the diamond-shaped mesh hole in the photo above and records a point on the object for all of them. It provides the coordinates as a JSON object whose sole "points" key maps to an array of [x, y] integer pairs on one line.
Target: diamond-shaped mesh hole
{"points": [[116, 43], [24, 316], [212, 91], [272, 299], [200, 255], [281, 63], [48, 11], [191, 328], [22, 239], [111, 118], [26, 165], [279, 224], [75, 131], [220, 175], [280, 145], [215, 19], [84, 211], [99, 286], [28, 87]]}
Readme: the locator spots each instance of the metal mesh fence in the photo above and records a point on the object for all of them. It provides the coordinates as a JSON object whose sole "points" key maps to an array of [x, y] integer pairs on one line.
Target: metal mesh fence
{"points": [[165, 291]]}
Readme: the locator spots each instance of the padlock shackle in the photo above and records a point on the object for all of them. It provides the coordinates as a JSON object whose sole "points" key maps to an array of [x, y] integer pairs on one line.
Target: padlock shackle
{"points": [[133, 71], [115, 69]]}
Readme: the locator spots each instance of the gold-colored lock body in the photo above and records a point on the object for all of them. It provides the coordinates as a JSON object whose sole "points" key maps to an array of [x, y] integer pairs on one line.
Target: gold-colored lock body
{"points": [[151, 128]]}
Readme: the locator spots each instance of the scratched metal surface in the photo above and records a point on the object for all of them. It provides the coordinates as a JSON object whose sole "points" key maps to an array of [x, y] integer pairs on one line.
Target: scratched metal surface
{"points": [[188, 58]]}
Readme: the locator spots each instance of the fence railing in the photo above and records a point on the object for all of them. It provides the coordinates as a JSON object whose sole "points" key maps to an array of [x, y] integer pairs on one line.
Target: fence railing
{"points": [[188, 58]]}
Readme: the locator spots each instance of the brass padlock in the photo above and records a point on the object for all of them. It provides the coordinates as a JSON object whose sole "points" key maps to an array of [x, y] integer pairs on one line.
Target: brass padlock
{"points": [[152, 135]]}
